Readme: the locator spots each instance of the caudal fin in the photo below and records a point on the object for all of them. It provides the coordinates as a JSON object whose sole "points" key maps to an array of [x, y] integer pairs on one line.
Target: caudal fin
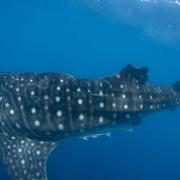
{"points": [[176, 86]]}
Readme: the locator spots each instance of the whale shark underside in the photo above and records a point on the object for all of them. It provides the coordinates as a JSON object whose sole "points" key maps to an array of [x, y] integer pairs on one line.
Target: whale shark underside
{"points": [[37, 110]]}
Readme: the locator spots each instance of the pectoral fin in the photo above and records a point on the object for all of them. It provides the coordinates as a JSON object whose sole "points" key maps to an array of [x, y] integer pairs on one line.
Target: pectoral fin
{"points": [[25, 159]]}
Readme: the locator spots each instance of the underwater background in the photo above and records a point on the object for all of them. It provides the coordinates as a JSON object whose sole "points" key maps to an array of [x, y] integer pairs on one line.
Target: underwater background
{"points": [[93, 39]]}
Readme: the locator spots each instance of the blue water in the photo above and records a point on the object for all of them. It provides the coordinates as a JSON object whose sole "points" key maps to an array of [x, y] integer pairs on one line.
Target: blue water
{"points": [[80, 39]]}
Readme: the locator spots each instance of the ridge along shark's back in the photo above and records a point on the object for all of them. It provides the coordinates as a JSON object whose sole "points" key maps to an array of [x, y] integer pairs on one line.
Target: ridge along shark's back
{"points": [[39, 109]]}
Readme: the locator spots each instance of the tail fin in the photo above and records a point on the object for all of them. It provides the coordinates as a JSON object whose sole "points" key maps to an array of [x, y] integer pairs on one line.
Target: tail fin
{"points": [[176, 86]]}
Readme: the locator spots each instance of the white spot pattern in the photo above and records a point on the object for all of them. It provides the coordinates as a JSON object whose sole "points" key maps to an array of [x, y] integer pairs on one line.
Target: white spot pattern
{"points": [[55, 105]]}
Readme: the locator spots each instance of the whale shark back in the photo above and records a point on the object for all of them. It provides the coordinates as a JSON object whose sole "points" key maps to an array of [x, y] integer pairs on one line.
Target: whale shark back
{"points": [[35, 114], [37, 110]]}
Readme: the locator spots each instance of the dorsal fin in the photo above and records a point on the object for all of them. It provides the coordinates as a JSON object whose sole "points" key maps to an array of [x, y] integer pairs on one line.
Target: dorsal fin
{"points": [[132, 72], [176, 86], [128, 74]]}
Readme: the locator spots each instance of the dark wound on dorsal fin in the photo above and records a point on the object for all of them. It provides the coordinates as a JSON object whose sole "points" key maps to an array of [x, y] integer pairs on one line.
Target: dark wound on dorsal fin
{"points": [[132, 72], [25, 159]]}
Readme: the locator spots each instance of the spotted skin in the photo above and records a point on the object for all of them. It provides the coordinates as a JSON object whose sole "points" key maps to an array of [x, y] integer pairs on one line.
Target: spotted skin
{"points": [[37, 110]]}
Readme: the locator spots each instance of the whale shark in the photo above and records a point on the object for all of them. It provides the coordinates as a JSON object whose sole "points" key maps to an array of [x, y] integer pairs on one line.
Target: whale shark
{"points": [[38, 110]]}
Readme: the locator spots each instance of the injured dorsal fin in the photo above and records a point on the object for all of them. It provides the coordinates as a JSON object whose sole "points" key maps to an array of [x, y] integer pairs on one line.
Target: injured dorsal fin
{"points": [[129, 74], [25, 159], [132, 72]]}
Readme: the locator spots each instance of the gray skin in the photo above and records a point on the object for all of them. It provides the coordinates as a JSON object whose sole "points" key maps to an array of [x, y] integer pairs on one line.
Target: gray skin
{"points": [[40, 109]]}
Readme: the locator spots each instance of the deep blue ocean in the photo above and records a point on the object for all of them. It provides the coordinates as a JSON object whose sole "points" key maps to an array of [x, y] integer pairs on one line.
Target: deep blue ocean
{"points": [[94, 39]]}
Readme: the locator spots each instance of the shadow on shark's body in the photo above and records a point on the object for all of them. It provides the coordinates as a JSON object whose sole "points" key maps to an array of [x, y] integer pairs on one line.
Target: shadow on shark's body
{"points": [[40, 109]]}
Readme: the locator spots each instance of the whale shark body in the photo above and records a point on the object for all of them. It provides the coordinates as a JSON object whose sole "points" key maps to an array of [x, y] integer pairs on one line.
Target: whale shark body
{"points": [[38, 110]]}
